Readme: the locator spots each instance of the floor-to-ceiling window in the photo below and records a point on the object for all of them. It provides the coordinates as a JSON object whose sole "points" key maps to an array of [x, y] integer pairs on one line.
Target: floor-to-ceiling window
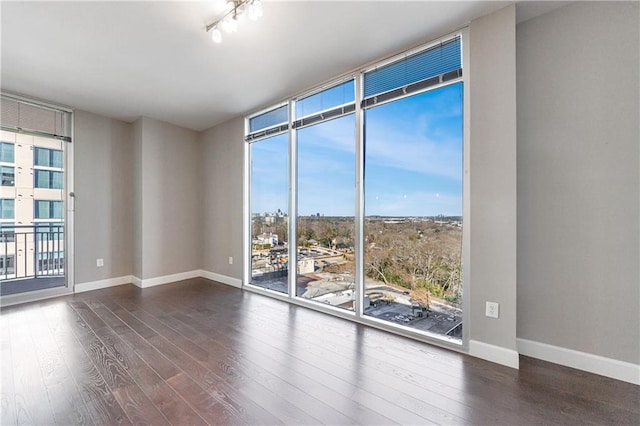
{"points": [[370, 170], [326, 164], [413, 211], [270, 200], [34, 241]]}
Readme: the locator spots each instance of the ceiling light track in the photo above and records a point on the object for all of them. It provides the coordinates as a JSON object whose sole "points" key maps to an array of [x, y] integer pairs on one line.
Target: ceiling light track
{"points": [[229, 21]]}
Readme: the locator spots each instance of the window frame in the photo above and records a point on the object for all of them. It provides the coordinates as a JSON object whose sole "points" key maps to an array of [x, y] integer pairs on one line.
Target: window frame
{"points": [[358, 315], [249, 224], [3, 173], [2, 208], [267, 131], [51, 217], [52, 153], [7, 231], [62, 130], [50, 180], [13, 153]]}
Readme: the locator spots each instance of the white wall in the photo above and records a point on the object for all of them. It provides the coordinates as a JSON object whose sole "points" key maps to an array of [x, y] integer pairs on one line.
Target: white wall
{"points": [[222, 177], [169, 190], [138, 201], [136, 184], [493, 204], [104, 197], [578, 182]]}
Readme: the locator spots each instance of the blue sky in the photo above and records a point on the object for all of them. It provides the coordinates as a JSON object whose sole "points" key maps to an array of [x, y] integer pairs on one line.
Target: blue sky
{"points": [[270, 174], [413, 161]]}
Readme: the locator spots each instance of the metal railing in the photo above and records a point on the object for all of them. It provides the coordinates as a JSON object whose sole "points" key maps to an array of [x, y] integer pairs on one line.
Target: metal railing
{"points": [[32, 251]]}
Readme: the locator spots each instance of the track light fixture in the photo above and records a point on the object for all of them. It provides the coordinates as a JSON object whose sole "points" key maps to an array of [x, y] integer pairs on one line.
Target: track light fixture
{"points": [[229, 21]]}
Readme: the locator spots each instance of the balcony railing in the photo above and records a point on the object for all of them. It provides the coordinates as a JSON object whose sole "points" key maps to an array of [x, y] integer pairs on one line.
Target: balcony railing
{"points": [[31, 251]]}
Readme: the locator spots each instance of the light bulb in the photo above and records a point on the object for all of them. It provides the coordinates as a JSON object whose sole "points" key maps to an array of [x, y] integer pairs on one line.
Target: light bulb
{"points": [[230, 25], [251, 13], [254, 10], [257, 6], [240, 10], [216, 35]]}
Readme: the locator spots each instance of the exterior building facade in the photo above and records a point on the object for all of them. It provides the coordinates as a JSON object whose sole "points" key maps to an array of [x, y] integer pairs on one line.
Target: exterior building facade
{"points": [[32, 206]]}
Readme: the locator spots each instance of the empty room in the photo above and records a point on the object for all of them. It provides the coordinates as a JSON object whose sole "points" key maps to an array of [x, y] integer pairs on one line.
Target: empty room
{"points": [[296, 212]]}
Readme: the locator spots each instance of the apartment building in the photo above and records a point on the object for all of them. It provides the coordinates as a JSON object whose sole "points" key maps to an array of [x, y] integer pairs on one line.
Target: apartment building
{"points": [[32, 197]]}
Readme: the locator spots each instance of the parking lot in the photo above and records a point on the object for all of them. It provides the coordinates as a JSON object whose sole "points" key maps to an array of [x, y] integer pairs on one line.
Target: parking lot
{"points": [[441, 319]]}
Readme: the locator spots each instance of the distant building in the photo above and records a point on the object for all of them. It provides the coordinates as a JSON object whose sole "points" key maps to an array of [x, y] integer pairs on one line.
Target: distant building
{"points": [[267, 238], [31, 205], [306, 266]]}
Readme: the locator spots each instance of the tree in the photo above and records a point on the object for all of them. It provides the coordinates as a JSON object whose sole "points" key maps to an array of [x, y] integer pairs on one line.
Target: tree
{"points": [[377, 262], [421, 297]]}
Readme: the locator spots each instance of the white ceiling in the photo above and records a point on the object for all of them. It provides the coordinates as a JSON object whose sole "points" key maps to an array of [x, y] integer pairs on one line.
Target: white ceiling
{"points": [[130, 59]]}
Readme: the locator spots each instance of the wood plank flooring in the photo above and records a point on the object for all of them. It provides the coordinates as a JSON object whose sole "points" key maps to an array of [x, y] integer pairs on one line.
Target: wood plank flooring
{"points": [[198, 352]]}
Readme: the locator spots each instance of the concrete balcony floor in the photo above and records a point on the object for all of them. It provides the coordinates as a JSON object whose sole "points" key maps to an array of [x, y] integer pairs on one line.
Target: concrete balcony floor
{"points": [[23, 285]]}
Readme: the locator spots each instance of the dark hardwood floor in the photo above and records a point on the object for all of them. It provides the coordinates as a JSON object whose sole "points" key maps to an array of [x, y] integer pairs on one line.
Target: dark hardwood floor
{"points": [[198, 352]]}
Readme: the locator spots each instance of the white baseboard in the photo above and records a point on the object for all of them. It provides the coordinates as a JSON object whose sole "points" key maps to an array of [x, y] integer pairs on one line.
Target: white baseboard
{"points": [[596, 364], [493, 353], [166, 279], [136, 281], [151, 282], [234, 282], [97, 285]]}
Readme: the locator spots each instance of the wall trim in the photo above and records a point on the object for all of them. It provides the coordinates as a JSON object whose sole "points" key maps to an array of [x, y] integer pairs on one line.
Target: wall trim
{"points": [[151, 282], [166, 279], [233, 282], [97, 285], [609, 367], [493, 353], [136, 281]]}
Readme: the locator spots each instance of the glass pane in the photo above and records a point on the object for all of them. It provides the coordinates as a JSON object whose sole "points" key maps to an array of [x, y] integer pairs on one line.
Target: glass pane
{"points": [[7, 233], [413, 211], [338, 95], [41, 157], [56, 180], [7, 175], [30, 231], [326, 211], [7, 152], [42, 210], [8, 208], [7, 265], [269, 119], [56, 158], [57, 209], [269, 213], [42, 179]]}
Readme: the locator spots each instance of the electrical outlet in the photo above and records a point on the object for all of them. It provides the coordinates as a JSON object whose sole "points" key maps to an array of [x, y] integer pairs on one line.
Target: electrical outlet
{"points": [[230, 260], [99, 263], [493, 310]]}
